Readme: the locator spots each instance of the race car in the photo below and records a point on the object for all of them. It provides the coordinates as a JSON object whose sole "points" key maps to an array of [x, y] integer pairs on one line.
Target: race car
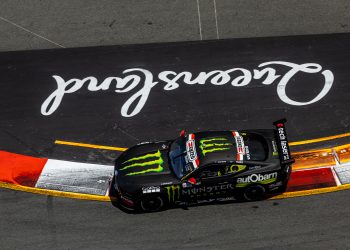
{"points": [[246, 165]]}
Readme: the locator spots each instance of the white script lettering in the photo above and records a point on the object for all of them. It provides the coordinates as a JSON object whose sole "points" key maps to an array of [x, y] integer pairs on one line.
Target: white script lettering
{"points": [[143, 80]]}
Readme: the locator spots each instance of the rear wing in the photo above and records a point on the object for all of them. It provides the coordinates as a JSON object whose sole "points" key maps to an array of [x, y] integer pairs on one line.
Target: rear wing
{"points": [[282, 142]]}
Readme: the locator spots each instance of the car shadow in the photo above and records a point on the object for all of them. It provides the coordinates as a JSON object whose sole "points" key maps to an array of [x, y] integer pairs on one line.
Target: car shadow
{"points": [[184, 207], [189, 206]]}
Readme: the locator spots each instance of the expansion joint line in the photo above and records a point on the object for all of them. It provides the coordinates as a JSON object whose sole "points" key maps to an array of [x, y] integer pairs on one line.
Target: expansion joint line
{"points": [[337, 163], [199, 21], [336, 157], [216, 20], [31, 32]]}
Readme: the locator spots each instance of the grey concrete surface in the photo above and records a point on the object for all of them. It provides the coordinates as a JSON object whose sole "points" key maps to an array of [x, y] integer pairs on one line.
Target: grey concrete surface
{"points": [[39, 24], [92, 23], [250, 18], [40, 222]]}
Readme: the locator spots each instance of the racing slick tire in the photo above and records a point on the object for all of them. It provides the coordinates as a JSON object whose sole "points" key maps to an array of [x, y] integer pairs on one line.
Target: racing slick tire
{"points": [[151, 203], [254, 193]]}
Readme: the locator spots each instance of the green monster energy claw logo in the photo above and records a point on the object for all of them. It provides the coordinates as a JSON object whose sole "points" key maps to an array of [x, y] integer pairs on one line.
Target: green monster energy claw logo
{"points": [[173, 193], [214, 144], [144, 161]]}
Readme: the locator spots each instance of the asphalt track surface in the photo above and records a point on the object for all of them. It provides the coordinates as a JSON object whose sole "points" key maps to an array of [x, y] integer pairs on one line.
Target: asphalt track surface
{"points": [[97, 117], [38, 222]]}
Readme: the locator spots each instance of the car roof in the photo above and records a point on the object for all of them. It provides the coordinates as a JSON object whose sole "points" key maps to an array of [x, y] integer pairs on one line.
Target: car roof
{"points": [[214, 146], [221, 146]]}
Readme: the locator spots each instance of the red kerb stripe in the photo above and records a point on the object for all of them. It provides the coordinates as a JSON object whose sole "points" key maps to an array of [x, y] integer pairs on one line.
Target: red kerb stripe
{"points": [[20, 169], [311, 179]]}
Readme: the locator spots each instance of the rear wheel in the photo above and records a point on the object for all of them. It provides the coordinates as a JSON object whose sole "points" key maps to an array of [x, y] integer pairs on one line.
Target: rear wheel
{"points": [[284, 187], [151, 203], [254, 193]]}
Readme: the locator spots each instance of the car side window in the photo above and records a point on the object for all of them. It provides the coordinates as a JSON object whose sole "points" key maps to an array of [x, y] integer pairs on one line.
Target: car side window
{"points": [[217, 170], [208, 172], [230, 169]]}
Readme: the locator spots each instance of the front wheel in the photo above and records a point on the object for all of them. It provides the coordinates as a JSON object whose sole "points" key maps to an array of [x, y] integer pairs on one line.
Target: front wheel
{"points": [[151, 203]]}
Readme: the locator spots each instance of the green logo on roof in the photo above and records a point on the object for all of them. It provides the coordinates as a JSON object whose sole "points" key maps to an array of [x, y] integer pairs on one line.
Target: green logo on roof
{"points": [[214, 144]]}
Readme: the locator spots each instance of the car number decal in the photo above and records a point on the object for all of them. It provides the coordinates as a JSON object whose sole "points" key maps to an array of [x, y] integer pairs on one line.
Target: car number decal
{"points": [[191, 150], [239, 145]]}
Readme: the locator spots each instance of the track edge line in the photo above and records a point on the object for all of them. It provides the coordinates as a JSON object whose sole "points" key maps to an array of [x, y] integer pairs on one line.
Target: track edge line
{"points": [[56, 193]]}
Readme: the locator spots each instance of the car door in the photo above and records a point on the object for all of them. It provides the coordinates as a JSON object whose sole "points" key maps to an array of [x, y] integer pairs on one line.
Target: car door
{"points": [[207, 183]]}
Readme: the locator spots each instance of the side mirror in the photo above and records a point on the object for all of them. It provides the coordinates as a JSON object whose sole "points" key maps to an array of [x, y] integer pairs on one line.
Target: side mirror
{"points": [[182, 133], [192, 181]]}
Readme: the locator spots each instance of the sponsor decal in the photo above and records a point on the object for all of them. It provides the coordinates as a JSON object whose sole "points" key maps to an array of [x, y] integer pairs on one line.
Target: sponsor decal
{"points": [[274, 146], [147, 190], [277, 184], [281, 132], [284, 146], [189, 167], [144, 142], [146, 163], [223, 161], [191, 151], [236, 168], [247, 153], [166, 183], [173, 193], [254, 167], [257, 178], [240, 145], [141, 81], [214, 144], [186, 184], [283, 141], [220, 188]]}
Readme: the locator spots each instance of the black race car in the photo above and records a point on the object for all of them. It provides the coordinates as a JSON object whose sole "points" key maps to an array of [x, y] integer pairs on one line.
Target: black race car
{"points": [[204, 166]]}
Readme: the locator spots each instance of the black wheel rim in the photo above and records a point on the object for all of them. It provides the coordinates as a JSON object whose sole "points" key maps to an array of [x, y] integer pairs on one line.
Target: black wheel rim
{"points": [[254, 193], [152, 203]]}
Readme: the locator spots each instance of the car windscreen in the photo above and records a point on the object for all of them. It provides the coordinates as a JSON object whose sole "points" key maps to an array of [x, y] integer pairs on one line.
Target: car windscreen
{"points": [[178, 158]]}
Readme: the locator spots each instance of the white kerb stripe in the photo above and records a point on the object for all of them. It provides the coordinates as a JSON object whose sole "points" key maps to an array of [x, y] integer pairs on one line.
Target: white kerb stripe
{"points": [[76, 177]]}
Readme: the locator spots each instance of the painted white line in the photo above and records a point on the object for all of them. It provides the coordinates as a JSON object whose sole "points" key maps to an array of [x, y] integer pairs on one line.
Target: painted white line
{"points": [[31, 32], [336, 178], [199, 21], [336, 157], [216, 20]]}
